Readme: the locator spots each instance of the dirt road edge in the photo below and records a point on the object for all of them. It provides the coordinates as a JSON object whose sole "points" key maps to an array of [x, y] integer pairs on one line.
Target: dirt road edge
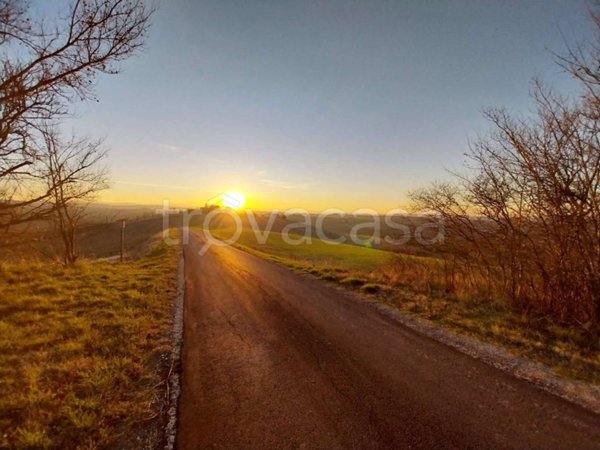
{"points": [[542, 376], [174, 385]]}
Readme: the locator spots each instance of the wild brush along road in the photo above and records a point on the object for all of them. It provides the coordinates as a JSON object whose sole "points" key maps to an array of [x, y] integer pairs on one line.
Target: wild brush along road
{"points": [[275, 359]]}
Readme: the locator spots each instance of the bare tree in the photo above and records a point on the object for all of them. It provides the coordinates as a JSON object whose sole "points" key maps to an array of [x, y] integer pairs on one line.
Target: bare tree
{"points": [[526, 215], [44, 67], [74, 176]]}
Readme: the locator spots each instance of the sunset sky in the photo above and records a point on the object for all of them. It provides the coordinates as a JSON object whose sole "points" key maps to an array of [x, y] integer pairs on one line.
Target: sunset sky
{"points": [[318, 104]]}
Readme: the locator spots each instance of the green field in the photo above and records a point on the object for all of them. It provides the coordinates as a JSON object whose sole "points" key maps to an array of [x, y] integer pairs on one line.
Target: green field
{"points": [[84, 350], [318, 253]]}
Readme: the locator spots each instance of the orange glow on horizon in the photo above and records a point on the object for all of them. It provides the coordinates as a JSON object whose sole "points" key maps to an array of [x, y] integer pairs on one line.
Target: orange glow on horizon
{"points": [[258, 200]]}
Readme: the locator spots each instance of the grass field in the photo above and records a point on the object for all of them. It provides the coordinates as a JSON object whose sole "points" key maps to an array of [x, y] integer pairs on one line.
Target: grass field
{"points": [[411, 284], [83, 350], [319, 253]]}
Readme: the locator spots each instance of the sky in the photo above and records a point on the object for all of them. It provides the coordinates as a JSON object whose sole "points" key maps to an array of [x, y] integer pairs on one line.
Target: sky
{"points": [[318, 104]]}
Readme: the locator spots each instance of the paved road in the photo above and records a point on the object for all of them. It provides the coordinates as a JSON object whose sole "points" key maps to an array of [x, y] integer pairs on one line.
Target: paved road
{"points": [[273, 359]]}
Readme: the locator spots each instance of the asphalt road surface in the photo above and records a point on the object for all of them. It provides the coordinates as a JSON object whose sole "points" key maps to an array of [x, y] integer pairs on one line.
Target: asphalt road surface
{"points": [[274, 359]]}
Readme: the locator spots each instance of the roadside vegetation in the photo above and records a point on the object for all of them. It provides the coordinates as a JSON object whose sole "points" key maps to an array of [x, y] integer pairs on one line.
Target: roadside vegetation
{"points": [[85, 351], [417, 285], [522, 219]]}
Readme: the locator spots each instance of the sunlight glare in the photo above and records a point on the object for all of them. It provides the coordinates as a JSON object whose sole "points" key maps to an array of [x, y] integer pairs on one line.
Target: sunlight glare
{"points": [[234, 200]]}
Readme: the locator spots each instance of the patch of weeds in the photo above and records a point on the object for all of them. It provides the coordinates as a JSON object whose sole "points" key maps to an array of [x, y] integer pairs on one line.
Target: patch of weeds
{"points": [[354, 282], [328, 277], [371, 288], [414, 307]]}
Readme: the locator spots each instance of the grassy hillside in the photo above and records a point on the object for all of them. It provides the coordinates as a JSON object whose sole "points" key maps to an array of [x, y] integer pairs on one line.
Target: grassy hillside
{"points": [[413, 285], [325, 255], [82, 350], [332, 226], [96, 240]]}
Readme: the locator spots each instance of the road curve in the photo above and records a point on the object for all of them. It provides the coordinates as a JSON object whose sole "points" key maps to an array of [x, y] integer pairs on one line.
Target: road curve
{"points": [[274, 359]]}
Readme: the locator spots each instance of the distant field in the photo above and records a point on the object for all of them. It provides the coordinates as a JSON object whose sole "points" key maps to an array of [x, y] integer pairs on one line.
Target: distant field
{"points": [[82, 351], [413, 285], [325, 255], [335, 227], [95, 240]]}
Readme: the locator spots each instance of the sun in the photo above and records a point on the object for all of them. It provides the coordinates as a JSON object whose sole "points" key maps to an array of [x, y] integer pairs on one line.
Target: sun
{"points": [[234, 200]]}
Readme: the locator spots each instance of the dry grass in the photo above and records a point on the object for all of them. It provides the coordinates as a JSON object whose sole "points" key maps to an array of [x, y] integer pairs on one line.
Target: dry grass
{"points": [[82, 350]]}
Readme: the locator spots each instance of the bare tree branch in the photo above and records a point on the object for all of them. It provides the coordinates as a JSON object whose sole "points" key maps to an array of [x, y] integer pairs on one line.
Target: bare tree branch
{"points": [[42, 71]]}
